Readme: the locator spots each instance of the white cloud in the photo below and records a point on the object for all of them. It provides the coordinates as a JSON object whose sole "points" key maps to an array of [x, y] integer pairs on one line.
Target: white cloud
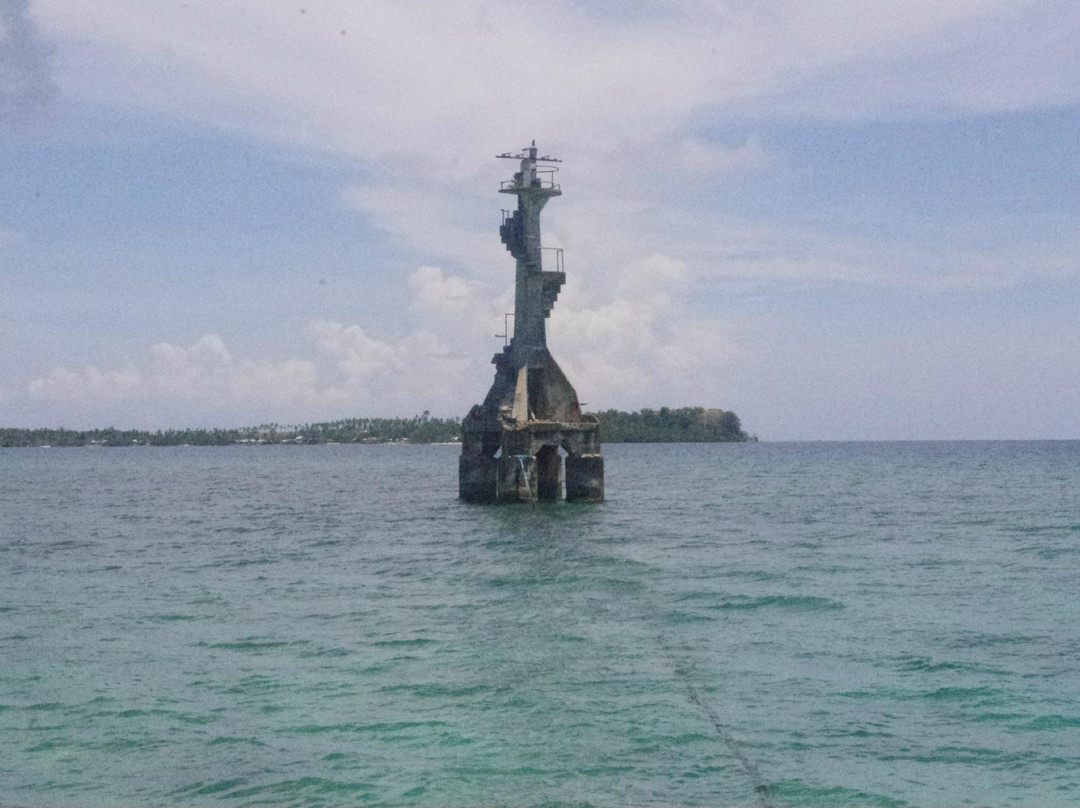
{"points": [[631, 344], [616, 345], [366, 376], [418, 361], [450, 78], [205, 373], [417, 92], [438, 292], [88, 383]]}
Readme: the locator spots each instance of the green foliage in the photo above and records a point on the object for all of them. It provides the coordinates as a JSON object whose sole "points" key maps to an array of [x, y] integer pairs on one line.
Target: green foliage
{"points": [[418, 429], [686, 425]]}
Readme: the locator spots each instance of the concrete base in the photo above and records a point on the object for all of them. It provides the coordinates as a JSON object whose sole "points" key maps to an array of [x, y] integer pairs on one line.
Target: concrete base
{"points": [[503, 460], [585, 478]]}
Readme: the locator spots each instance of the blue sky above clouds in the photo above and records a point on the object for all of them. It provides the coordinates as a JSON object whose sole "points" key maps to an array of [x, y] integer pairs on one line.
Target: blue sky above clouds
{"points": [[840, 219]]}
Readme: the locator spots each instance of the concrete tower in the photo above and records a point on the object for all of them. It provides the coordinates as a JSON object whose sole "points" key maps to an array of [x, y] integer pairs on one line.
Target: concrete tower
{"points": [[510, 443]]}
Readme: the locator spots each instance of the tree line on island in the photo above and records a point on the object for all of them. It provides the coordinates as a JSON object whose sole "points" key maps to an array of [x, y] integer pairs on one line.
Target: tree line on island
{"points": [[683, 425]]}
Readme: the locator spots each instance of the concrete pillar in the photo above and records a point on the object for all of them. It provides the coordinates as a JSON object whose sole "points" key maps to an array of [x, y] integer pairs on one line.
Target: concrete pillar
{"points": [[585, 478], [516, 478], [548, 474], [476, 478]]}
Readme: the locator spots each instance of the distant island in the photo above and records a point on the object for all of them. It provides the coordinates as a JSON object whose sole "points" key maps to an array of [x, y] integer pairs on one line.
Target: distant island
{"points": [[683, 425]]}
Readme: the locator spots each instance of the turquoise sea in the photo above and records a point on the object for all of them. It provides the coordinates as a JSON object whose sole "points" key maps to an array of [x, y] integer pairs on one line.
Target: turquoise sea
{"points": [[762, 624]]}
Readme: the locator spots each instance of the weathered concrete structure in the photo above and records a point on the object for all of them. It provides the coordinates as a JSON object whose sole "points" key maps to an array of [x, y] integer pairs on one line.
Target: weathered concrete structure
{"points": [[510, 444]]}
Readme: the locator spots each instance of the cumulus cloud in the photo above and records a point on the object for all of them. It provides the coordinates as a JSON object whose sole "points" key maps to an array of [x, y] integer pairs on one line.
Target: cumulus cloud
{"points": [[625, 339], [204, 372], [345, 371], [88, 383], [437, 292], [417, 364], [634, 340]]}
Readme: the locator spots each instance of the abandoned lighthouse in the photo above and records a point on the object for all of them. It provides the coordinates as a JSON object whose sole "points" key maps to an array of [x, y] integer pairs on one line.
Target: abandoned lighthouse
{"points": [[510, 444]]}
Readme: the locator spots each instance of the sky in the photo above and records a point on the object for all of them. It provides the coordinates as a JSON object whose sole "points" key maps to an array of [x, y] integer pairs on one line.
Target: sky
{"points": [[842, 219]]}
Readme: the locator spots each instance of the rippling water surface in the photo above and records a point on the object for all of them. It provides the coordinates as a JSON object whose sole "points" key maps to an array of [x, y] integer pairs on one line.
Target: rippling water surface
{"points": [[758, 624]]}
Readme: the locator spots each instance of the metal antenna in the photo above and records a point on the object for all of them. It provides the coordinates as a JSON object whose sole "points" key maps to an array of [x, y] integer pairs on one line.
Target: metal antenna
{"points": [[528, 153]]}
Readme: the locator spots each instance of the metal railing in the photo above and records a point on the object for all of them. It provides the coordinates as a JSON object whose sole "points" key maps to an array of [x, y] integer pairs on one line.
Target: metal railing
{"points": [[558, 258], [506, 334], [545, 178]]}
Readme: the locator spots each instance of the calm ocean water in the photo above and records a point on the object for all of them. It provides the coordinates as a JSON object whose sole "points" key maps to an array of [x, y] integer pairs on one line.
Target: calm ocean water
{"points": [[758, 624]]}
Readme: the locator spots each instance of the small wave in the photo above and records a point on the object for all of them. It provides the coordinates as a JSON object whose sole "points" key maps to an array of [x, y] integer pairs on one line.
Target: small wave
{"points": [[306, 787], [958, 694], [996, 717], [69, 544], [417, 641], [570, 638], [202, 788], [849, 732], [1034, 530], [327, 652], [252, 644], [754, 575], [51, 745], [973, 639], [530, 580], [934, 563], [438, 691], [966, 755], [44, 706], [677, 618], [186, 718], [927, 665], [658, 742], [353, 728], [1053, 553], [256, 683], [1052, 722], [235, 529], [802, 793], [231, 739], [798, 603], [127, 744], [946, 694]]}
